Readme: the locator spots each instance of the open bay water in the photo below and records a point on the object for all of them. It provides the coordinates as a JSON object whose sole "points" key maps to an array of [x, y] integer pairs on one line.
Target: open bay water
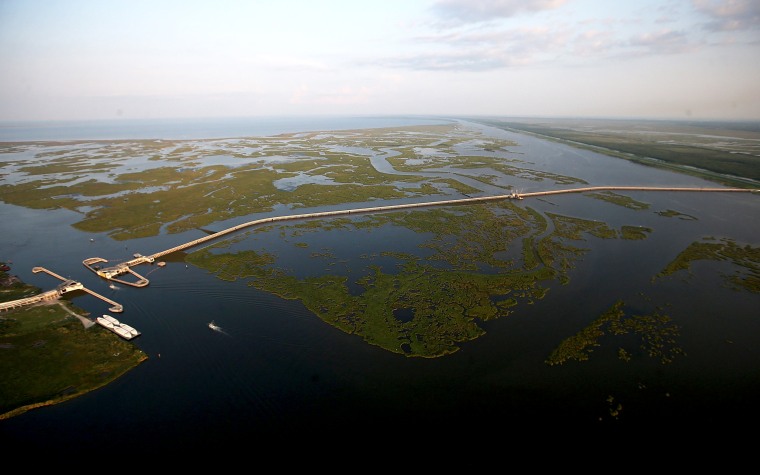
{"points": [[194, 128], [278, 374]]}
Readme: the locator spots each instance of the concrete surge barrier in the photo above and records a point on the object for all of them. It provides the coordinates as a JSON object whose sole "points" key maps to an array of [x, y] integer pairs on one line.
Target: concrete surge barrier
{"points": [[433, 203]]}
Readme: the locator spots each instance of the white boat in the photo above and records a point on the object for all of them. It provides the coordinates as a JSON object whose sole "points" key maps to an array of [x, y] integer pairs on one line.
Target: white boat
{"points": [[131, 330], [104, 323], [122, 332], [121, 329], [111, 319], [214, 326]]}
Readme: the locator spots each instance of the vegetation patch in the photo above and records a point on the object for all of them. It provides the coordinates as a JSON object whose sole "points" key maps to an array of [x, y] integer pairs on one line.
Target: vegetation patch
{"points": [[745, 257], [618, 199], [669, 213], [656, 335], [634, 232]]}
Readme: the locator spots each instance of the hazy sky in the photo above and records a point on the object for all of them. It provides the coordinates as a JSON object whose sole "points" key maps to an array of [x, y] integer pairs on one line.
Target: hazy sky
{"points": [[92, 59]]}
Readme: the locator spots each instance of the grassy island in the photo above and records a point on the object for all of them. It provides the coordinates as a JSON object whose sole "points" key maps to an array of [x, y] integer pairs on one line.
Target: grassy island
{"points": [[51, 352]]}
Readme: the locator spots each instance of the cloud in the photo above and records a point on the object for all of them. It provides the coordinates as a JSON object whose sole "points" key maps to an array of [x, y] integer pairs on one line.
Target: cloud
{"points": [[593, 43], [566, 40], [729, 15], [558, 45], [452, 12], [480, 50], [661, 42]]}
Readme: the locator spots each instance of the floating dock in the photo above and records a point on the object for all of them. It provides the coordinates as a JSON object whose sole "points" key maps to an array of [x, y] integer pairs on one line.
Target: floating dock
{"points": [[121, 329]]}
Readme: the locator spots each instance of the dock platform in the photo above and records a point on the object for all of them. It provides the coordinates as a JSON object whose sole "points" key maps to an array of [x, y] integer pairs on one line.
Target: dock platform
{"points": [[122, 329]]}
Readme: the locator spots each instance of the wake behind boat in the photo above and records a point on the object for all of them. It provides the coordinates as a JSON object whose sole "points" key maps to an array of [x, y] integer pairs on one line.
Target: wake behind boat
{"points": [[217, 328]]}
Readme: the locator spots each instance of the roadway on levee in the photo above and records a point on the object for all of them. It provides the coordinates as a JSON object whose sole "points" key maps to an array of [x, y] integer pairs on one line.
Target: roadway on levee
{"points": [[142, 281]]}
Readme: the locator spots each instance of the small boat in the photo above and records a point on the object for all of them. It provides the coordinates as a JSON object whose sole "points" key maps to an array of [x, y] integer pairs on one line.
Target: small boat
{"points": [[214, 326]]}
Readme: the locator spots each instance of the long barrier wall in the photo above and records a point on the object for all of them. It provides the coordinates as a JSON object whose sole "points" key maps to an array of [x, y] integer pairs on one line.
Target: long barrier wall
{"points": [[432, 203], [49, 295], [66, 286]]}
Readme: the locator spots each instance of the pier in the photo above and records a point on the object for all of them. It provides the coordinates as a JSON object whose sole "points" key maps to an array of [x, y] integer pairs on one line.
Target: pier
{"points": [[113, 273]]}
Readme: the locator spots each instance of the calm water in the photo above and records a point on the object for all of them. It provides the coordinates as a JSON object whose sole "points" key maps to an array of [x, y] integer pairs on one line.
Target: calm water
{"points": [[193, 128], [277, 372]]}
